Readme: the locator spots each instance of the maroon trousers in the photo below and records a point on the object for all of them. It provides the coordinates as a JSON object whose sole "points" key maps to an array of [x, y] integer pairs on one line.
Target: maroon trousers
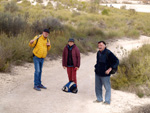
{"points": [[72, 74]]}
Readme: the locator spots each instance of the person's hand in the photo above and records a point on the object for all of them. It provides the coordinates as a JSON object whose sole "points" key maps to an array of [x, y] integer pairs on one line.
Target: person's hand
{"points": [[108, 71], [31, 42], [64, 67], [48, 44], [76, 68]]}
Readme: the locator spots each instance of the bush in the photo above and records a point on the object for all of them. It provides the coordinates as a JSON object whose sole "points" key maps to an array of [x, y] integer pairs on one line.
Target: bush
{"points": [[133, 73], [132, 11], [93, 31], [4, 64], [14, 50], [105, 12], [11, 7], [49, 22], [58, 43], [10, 24]]}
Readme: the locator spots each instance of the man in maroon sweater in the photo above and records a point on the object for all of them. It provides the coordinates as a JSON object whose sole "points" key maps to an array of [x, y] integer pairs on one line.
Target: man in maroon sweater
{"points": [[71, 60]]}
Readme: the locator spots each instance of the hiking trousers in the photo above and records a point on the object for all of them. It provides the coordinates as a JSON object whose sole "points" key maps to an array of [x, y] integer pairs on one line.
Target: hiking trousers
{"points": [[72, 74]]}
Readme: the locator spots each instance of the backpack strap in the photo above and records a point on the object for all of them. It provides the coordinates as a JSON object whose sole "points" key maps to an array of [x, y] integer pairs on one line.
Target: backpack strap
{"points": [[37, 40]]}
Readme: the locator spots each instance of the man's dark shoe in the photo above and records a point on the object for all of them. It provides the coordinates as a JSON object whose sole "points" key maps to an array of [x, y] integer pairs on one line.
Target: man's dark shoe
{"points": [[37, 88], [106, 103], [96, 101], [41, 86]]}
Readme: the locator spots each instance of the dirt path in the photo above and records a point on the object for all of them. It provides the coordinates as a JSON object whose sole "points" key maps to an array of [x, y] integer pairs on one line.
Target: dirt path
{"points": [[17, 94]]}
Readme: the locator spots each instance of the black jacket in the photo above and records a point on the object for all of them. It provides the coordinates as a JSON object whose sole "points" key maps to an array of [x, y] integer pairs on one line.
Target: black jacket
{"points": [[105, 60]]}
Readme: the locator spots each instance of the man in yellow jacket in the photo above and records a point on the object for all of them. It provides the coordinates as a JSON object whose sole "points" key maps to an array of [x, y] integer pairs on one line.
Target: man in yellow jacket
{"points": [[41, 46]]}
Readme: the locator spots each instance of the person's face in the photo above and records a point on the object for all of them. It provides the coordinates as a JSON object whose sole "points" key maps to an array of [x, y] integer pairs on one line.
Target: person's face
{"points": [[45, 34], [101, 46], [70, 43]]}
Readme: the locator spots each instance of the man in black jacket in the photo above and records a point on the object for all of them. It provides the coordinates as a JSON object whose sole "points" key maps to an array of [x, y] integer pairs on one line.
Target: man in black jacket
{"points": [[106, 62]]}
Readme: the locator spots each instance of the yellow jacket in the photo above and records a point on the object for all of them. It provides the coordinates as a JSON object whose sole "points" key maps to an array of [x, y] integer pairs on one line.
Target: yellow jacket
{"points": [[41, 48]]}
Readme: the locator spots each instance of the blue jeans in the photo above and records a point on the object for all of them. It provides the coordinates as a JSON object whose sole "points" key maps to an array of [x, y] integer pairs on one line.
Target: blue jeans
{"points": [[99, 82], [38, 64]]}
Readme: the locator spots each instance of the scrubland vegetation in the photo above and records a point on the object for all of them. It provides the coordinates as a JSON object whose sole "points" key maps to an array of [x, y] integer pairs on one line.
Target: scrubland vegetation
{"points": [[134, 73], [87, 23]]}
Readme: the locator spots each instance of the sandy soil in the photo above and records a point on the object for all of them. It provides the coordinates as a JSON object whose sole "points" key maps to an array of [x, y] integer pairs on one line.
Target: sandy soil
{"points": [[17, 94]]}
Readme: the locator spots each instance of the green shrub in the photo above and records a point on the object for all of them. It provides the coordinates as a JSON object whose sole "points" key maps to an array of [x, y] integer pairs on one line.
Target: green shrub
{"points": [[134, 72], [11, 7], [93, 31], [14, 50], [49, 22], [58, 43], [11, 24], [4, 64], [105, 12], [132, 12], [140, 94]]}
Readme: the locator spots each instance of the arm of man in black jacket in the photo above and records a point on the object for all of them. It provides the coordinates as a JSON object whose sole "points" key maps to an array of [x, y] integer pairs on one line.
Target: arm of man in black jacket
{"points": [[114, 62]]}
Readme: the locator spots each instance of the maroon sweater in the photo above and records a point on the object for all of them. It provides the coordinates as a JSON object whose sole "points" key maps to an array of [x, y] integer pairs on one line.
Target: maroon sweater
{"points": [[75, 56]]}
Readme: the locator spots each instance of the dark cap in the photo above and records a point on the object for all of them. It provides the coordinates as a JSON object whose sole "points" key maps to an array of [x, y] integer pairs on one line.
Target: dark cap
{"points": [[46, 30], [71, 40]]}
